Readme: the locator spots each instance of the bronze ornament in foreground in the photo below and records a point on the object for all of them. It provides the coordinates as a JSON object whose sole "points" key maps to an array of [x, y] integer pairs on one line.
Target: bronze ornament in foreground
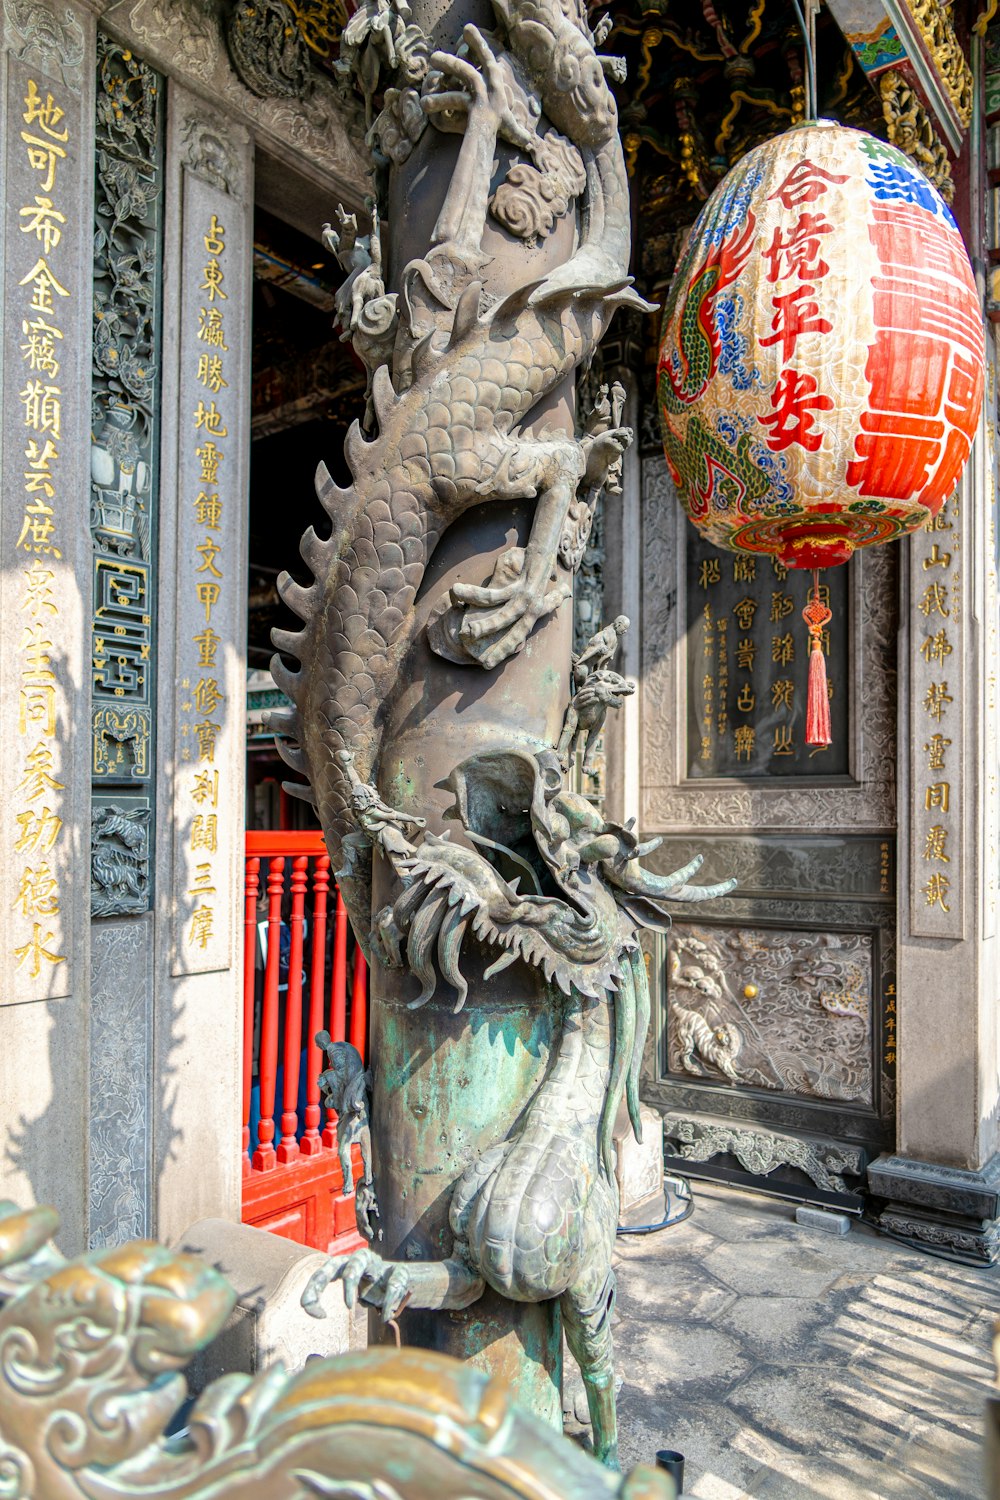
{"points": [[91, 1358]]}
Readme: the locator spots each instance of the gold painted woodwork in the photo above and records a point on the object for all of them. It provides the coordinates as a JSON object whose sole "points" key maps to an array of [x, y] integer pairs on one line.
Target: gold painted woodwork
{"points": [[910, 130], [933, 21]]}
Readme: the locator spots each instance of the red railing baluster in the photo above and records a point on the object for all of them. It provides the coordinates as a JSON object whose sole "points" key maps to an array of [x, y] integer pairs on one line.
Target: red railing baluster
{"points": [[359, 1003], [338, 1003], [310, 1144], [338, 985], [275, 1021], [249, 975], [288, 1149], [264, 1159]]}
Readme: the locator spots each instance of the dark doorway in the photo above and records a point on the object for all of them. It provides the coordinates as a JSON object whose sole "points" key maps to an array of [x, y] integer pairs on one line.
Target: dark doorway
{"points": [[307, 388]]}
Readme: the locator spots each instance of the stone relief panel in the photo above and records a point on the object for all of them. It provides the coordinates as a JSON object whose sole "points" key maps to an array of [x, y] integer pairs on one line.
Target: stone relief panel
{"points": [[120, 857], [864, 799], [827, 1163], [45, 36], [785, 866], [191, 25], [119, 1087], [267, 49], [312, 124], [128, 227], [206, 153], [777, 1009]]}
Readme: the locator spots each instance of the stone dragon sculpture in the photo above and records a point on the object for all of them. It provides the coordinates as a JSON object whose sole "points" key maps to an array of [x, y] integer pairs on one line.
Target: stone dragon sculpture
{"points": [[92, 1352], [536, 1216], [450, 406], [536, 875]]}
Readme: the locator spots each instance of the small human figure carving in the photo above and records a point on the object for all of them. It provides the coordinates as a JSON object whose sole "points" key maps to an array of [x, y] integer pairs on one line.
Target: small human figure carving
{"points": [[598, 689], [600, 651], [344, 1086]]}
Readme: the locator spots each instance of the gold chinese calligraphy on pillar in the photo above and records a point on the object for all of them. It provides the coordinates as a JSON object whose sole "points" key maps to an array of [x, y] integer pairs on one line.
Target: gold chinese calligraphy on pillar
{"points": [[212, 423], [39, 276], [936, 668]]}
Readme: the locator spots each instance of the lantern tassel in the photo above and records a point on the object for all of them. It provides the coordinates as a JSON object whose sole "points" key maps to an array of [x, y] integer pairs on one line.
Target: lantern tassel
{"points": [[817, 616]]}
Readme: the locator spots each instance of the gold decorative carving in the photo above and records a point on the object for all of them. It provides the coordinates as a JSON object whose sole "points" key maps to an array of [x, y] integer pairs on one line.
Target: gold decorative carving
{"points": [[910, 130], [91, 1352], [933, 21], [320, 23]]}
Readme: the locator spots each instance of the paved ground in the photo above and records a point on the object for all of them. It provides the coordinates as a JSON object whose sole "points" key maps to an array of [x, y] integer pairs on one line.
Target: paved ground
{"points": [[790, 1364]]}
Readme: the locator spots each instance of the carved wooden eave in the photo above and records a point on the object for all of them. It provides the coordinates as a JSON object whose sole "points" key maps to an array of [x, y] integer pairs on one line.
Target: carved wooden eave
{"points": [[915, 40], [316, 132]]}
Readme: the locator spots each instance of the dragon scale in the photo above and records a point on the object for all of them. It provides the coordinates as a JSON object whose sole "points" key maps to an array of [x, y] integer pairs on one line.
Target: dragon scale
{"points": [[498, 1202], [461, 420]]}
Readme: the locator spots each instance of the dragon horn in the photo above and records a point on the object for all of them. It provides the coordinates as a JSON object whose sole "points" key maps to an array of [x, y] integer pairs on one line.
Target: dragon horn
{"points": [[704, 892], [639, 882]]}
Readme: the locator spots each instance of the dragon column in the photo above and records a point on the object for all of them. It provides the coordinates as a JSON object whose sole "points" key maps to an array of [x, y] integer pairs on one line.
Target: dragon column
{"points": [[499, 909]]}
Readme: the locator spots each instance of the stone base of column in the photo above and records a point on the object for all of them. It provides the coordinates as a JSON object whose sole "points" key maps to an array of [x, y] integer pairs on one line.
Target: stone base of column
{"points": [[944, 1208], [268, 1323]]}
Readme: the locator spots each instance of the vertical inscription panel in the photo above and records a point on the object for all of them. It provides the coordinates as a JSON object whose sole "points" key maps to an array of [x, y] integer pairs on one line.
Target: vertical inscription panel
{"points": [[768, 780], [45, 584], [937, 673], [748, 666], [209, 703]]}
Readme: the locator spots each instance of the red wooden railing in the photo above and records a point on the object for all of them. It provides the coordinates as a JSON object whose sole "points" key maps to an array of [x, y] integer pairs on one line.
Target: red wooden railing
{"points": [[296, 1187]]}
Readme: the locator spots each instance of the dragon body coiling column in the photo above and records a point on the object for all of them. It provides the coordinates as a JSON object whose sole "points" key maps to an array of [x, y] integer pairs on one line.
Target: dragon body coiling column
{"points": [[498, 909]]}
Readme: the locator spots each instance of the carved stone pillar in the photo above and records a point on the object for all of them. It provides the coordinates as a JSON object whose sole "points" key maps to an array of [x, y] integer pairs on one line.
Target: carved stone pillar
{"points": [[197, 1042], [499, 907], [46, 69], [432, 1066], [943, 1182]]}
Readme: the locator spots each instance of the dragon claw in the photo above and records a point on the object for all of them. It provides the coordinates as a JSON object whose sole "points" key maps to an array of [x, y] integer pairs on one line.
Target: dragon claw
{"points": [[396, 1294], [352, 1270]]}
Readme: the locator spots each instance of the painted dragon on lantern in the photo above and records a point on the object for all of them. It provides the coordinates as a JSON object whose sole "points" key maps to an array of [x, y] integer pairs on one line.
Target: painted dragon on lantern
{"points": [[784, 382], [535, 873]]}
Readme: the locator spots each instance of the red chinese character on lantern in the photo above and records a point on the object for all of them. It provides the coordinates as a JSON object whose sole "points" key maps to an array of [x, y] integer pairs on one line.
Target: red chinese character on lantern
{"points": [[797, 252], [795, 313], [804, 184], [904, 449], [794, 399]]}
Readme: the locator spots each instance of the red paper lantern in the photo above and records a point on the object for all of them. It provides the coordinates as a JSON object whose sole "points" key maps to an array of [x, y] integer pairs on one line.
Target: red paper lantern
{"points": [[821, 365]]}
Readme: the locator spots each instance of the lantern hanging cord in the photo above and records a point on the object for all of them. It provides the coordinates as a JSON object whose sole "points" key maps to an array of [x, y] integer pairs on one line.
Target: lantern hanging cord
{"points": [[810, 50]]}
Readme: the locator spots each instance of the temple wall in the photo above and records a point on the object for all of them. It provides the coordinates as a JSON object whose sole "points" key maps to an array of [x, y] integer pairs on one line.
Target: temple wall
{"points": [[122, 753]]}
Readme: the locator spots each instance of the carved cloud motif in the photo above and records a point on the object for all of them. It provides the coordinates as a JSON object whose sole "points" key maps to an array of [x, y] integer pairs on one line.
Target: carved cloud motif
{"points": [[531, 198]]}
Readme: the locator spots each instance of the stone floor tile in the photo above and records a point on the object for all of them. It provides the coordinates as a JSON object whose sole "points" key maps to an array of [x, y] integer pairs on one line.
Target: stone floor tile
{"points": [[797, 1479], [900, 1294], [948, 1462], [788, 1365], [710, 1486], [682, 1361], [684, 1239], [682, 1287], [707, 1435], [784, 1330], [759, 1269], [805, 1413], [760, 1218]]}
